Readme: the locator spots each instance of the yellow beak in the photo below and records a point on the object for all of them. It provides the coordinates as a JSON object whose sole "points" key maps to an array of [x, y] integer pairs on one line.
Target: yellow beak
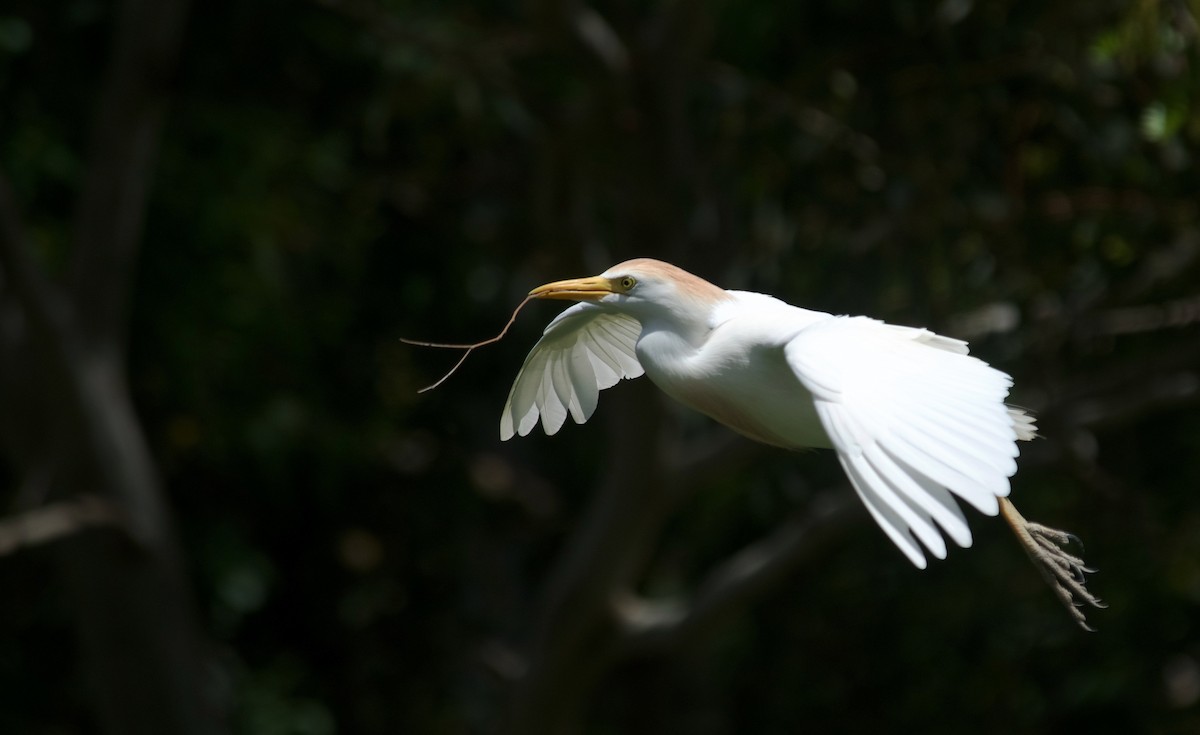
{"points": [[575, 289]]}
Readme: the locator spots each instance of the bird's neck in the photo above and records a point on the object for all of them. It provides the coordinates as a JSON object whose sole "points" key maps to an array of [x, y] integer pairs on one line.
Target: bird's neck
{"points": [[680, 331]]}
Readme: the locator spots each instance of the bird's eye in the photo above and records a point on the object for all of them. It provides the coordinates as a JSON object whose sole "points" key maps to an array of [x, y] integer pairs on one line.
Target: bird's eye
{"points": [[628, 282]]}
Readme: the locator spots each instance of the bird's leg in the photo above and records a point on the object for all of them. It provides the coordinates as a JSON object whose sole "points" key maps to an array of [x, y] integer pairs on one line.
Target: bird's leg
{"points": [[1064, 572]]}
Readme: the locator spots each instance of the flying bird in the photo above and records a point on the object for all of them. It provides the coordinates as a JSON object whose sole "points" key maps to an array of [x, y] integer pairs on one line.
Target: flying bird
{"points": [[917, 423]]}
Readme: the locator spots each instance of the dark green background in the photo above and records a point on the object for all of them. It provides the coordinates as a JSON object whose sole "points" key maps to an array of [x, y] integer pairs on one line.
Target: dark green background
{"points": [[333, 176]]}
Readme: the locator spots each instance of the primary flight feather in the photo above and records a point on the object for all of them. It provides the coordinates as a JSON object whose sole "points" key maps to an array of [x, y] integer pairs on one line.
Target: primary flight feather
{"points": [[916, 422]]}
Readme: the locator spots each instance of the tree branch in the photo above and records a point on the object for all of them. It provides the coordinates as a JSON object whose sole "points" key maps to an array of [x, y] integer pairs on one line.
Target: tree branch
{"points": [[718, 454], [572, 634], [483, 57], [75, 420], [112, 203], [54, 521], [1118, 377], [23, 278], [92, 385], [1161, 392], [1141, 319], [655, 628]]}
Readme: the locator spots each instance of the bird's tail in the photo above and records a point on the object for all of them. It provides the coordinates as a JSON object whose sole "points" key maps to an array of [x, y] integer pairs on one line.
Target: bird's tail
{"points": [[1023, 422]]}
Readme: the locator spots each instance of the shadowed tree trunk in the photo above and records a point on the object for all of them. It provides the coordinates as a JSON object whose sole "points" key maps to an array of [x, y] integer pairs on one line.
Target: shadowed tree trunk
{"points": [[577, 629], [70, 428], [590, 617]]}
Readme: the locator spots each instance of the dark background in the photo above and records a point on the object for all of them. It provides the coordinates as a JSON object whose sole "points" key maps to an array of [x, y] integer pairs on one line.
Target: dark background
{"points": [[228, 510]]}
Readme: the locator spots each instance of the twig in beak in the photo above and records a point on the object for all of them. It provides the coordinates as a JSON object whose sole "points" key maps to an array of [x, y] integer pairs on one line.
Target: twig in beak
{"points": [[468, 348]]}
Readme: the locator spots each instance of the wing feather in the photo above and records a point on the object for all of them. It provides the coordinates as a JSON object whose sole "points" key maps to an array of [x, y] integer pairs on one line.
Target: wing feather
{"points": [[950, 432], [551, 408], [563, 389], [885, 514], [924, 494], [916, 423], [583, 377], [912, 518], [618, 341], [584, 350], [606, 375]]}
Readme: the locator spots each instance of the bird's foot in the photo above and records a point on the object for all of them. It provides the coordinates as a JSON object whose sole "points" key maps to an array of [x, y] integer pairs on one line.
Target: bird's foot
{"points": [[1063, 571]]}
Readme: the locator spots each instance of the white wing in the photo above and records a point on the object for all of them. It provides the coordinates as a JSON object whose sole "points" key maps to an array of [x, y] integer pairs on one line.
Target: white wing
{"points": [[583, 351], [914, 420]]}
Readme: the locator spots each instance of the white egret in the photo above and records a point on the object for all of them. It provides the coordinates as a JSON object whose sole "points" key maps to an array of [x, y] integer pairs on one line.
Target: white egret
{"points": [[915, 421]]}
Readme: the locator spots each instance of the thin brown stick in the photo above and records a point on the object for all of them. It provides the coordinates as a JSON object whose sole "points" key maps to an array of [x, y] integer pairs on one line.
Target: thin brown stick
{"points": [[469, 348]]}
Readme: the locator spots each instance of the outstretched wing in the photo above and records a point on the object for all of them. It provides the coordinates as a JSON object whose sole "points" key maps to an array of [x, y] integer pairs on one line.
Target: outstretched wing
{"points": [[583, 351], [915, 421]]}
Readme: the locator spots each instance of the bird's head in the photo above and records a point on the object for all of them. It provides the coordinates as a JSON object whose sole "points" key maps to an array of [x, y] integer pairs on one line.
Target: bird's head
{"points": [[644, 288]]}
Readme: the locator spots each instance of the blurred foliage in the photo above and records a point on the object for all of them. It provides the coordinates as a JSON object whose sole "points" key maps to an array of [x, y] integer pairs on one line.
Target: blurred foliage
{"points": [[335, 175]]}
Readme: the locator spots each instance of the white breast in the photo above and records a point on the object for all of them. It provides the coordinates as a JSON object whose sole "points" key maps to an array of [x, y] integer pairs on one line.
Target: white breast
{"points": [[738, 374]]}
